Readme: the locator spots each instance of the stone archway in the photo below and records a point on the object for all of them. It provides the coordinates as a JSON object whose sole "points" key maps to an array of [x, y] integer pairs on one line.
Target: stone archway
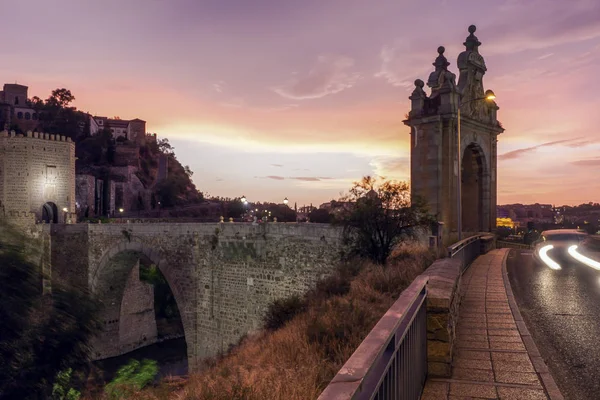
{"points": [[50, 213], [108, 282], [475, 185]]}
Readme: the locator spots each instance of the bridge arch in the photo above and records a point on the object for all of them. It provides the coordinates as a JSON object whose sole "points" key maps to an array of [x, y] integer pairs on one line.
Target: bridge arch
{"points": [[118, 267], [475, 188]]}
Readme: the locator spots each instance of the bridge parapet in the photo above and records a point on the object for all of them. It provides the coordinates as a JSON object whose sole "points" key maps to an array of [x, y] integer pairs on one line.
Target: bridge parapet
{"points": [[424, 321]]}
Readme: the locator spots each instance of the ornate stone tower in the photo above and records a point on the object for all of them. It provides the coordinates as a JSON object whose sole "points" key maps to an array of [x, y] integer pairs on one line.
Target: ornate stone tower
{"points": [[434, 135]]}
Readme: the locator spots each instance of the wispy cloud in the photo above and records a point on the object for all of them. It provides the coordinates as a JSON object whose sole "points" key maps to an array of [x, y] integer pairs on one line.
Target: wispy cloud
{"points": [[574, 21], [593, 162], [277, 165], [297, 178], [511, 155], [310, 178], [398, 64], [330, 75], [236, 102], [218, 86]]}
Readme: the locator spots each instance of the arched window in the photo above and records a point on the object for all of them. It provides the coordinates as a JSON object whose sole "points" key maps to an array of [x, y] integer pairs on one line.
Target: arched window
{"points": [[20, 115], [27, 116], [34, 117]]}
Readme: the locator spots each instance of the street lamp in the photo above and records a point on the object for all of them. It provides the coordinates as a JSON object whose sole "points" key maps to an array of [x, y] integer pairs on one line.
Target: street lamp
{"points": [[489, 95], [120, 210], [243, 199], [285, 201]]}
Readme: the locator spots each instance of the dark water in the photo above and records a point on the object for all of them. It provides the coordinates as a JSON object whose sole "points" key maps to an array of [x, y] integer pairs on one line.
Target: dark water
{"points": [[171, 356]]}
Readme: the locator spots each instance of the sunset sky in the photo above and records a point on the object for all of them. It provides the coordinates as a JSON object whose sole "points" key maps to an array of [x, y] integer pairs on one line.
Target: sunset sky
{"points": [[299, 98]]}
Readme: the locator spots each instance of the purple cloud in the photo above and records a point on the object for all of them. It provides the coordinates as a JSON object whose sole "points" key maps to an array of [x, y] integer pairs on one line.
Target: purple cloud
{"points": [[511, 155], [330, 75]]}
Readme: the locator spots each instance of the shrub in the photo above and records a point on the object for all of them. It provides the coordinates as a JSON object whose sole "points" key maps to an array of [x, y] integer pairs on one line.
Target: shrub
{"points": [[131, 378], [283, 310]]}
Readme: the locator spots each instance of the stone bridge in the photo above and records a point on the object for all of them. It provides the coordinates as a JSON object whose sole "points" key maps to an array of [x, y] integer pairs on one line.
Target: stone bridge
{"points": [[222, 275]]}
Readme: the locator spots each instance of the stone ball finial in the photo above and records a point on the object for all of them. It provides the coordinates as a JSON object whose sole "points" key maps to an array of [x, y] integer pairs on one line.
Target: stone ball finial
{"points": [[472, 29], [441, 50], [419, 83]]}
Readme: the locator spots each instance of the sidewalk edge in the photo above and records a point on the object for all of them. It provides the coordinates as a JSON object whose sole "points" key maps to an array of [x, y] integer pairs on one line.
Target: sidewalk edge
{"points": [[536, 359]]}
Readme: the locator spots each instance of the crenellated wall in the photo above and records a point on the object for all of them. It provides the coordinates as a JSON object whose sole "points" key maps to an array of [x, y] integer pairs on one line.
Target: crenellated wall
{"points": [[36, 169]]}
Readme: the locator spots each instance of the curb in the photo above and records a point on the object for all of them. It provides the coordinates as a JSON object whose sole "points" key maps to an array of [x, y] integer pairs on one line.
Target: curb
{"points": [[536, 359]]}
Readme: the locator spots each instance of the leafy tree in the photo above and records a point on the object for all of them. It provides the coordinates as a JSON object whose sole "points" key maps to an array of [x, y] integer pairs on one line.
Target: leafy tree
{"points": [[381, 214], [62, 390], [60, 98], [41, 335], [235, 208], [165, 147], [131, 378], [320, 215], [171, 191]]}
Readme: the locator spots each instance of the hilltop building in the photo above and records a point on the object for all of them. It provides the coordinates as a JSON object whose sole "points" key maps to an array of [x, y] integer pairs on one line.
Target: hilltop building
{"points": [[133, 130], [14, 109]]}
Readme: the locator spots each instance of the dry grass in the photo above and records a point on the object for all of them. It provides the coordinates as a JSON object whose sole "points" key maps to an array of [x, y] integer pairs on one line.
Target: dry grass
{"points": [[298, 360]]}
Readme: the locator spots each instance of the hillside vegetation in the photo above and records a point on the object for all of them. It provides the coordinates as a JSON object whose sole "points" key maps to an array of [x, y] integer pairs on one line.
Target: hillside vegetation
{"points": [[316, 336]]}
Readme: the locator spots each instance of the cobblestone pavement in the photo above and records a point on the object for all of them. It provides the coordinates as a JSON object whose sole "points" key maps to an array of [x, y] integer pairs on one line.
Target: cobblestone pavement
{"points": [[494, 354]]}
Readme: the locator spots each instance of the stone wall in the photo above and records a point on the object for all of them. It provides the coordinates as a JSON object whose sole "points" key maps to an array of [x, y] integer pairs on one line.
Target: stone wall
{"points": [[222, 275], [443, 300], [85, 195], [127, 154], [36, 169], [137, 322]]}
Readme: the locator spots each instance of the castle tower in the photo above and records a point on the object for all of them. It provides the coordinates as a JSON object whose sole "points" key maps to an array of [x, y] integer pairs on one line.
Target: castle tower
{"points": [[435, 167], [37, 178]]}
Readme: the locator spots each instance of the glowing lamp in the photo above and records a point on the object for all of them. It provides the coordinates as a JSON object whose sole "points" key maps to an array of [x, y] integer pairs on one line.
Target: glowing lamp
{"points": [[489, 95]]}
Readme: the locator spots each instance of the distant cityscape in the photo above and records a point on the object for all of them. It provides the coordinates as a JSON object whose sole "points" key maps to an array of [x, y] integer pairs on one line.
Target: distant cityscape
{"points": [[523, 217]]}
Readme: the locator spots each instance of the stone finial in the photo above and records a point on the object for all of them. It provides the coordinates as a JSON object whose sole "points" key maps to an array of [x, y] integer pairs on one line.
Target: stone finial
{"points": [[418, 93], [12, 133], [69, 139], [441, 63], [230, 219], [29, 134], [441, 76], [221, 219], [472, 43]]}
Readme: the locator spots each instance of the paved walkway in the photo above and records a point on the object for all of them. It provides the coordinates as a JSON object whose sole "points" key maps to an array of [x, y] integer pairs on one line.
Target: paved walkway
{"points": [[495, 356]]}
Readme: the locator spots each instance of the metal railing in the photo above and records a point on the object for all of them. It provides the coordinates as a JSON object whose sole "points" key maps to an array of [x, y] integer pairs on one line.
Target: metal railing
{"points": [[391, 363], [500, 244], [466, 250]]}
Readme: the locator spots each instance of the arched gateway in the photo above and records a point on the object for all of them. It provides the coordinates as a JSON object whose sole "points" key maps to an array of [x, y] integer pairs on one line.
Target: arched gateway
{"points": [[434, 122]]}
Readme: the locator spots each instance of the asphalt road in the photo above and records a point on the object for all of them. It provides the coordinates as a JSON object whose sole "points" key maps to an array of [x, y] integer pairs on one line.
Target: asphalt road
{"points": [[562, 311]]}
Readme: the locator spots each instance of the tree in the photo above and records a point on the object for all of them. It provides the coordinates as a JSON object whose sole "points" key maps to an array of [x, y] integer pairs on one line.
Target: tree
{"points": [[320, 215], [43, 335], [60, 97], [165, 147], [381, 214]]}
